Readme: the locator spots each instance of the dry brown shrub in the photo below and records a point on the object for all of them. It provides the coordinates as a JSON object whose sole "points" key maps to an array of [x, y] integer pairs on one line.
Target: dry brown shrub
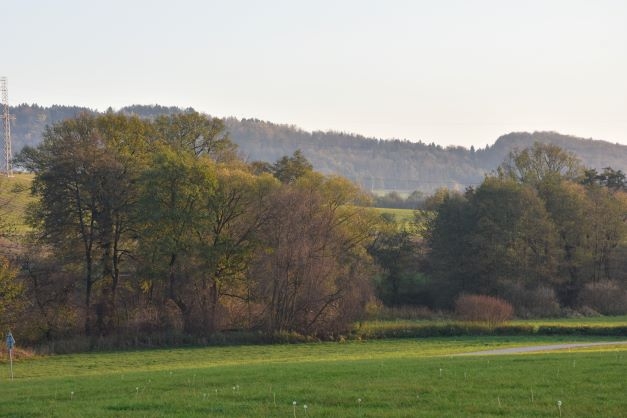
{"points": [[539, 302], [484, 309], [19, 353]]}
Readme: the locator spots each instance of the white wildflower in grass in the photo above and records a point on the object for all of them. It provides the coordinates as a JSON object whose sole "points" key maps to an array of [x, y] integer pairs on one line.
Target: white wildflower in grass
{"points": [[559, 407], [72, 395], [294, 406], [305, 408]]}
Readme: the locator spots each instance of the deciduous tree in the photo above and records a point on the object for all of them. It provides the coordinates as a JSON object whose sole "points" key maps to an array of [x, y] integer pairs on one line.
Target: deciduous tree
{"points": [[85, 178], [539, 162], [312, 272], [174, 193]]}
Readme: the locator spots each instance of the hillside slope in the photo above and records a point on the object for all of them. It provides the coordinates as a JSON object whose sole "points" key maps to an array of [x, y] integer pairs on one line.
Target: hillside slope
{"points": [[373, 163], [403, 165]]}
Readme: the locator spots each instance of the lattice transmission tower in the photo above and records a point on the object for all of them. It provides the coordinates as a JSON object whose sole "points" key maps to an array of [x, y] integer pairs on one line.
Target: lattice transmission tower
{"points": [[7, 118]]}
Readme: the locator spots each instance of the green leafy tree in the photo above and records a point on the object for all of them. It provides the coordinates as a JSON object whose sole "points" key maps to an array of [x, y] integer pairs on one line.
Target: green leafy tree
{"points": [[607, 228], [513, 238], [539, 162], [200, 222], [228, 238], [400, 255], [85, 178], [65, 212], [568, 206], [590, 221], [196, 134], [449, 235], [497, 238], [289, 169], [174, 192], [610, 178]]}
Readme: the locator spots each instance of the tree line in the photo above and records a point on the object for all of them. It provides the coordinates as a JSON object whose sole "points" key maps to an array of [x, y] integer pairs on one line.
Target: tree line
{"points": [[541, 232], [157, 226]]}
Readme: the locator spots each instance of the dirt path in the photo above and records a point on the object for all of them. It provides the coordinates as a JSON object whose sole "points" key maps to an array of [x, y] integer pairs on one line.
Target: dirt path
{"points": [[534, 348]]}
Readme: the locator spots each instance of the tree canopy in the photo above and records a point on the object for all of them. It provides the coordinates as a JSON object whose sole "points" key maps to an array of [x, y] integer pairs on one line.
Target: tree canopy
{"points": [[156, 227], [158, 223]]}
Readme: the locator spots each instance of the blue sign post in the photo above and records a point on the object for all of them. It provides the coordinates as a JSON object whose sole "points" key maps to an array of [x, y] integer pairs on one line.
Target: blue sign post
{"points": [[10, 345]]}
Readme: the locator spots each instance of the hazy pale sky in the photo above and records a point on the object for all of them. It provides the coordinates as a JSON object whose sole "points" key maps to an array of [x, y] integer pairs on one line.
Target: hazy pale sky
{"points": [[443, 71]]}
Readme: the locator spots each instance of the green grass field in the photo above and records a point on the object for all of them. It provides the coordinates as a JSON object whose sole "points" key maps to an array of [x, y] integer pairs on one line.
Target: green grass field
{"points": [[385, 378], [400, 215], [14, 198]]}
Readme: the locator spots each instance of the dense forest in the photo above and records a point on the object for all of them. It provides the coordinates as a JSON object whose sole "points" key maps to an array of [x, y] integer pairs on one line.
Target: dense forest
{"points": [[157, 225], [376, 165]]}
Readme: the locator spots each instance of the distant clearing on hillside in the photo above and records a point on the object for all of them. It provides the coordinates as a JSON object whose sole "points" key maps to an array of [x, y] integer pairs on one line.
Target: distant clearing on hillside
{"points": [[14, 199]]}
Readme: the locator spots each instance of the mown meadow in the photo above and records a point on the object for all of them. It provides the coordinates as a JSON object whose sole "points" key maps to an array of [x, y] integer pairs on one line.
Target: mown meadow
{"points": [[382, 378]]}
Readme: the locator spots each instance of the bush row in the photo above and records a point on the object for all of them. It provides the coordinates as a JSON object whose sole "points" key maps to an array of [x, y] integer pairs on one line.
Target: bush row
{"points": [[475, 329], [445, 329]]}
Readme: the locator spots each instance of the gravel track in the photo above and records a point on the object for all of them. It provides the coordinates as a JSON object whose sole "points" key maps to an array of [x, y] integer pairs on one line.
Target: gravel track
{"points": [[535, 348]]}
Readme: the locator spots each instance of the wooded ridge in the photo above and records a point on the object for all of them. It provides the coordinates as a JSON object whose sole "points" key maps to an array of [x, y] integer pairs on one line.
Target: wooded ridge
{"points": [[375, 164]]}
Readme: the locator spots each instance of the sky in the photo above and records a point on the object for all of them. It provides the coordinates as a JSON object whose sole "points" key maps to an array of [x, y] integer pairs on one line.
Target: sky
{"points": [[453, 72]]}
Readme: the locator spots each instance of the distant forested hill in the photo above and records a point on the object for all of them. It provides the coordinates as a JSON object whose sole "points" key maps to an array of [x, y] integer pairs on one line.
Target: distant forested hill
{"points": [[374, 163], [31, 120]]}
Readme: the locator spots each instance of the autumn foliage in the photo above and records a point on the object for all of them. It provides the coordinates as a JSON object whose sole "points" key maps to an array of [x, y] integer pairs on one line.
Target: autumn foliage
{"points": [[481, 308]]}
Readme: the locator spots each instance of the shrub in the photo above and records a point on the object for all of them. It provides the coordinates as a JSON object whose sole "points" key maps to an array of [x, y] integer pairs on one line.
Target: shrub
{"points": [[606, 297], [11, 292], [489, 310], [538, 302], [543, 303]]}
